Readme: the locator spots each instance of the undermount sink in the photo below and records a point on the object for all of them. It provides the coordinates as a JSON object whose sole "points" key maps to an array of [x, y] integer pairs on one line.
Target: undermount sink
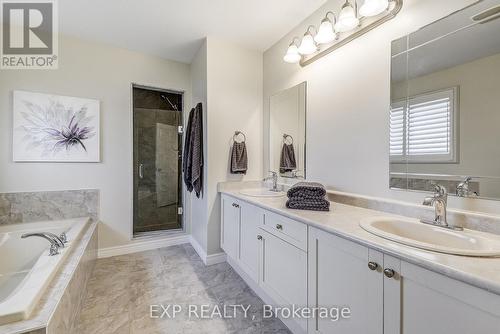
{"points": [[411, 232], [261, 192]]}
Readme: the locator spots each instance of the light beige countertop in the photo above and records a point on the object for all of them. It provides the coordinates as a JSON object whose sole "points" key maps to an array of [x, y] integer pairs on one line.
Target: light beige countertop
{"points": [[343, 220]]}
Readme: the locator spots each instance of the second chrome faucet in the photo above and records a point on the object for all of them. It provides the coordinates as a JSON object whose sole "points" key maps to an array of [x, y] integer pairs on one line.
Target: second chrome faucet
{"points": [[440, 201]]}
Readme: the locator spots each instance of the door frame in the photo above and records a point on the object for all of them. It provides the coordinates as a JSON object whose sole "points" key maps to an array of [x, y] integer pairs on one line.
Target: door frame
{"points": [[131, 171]]}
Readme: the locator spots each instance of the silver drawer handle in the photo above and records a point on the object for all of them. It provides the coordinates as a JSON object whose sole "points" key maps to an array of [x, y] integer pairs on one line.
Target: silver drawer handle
{"points": [[279, 227], [372, 265], [236, 205], [389, 273]]}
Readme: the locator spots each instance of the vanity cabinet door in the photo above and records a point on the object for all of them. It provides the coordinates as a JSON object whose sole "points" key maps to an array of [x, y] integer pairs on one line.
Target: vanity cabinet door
{"points": [[433, 303], [248, 258], [230, 225], [339, 276], [283, 275]]}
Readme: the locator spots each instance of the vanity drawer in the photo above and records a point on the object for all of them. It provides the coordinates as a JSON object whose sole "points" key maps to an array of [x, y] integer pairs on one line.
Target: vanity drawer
{"points": [[288, 229]]}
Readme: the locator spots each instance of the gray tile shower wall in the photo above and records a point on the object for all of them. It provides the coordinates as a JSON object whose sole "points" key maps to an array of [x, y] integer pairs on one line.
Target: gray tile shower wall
{"points": [[25, 207]]}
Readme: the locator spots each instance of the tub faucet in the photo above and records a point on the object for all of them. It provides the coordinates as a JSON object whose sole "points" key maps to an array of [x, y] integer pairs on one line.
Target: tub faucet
{"points": [[58, 239], [440, 201], [54, 244], [274, 177]]}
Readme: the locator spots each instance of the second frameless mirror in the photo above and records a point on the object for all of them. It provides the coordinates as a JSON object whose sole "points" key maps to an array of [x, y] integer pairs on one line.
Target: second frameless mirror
{"points": [[287, 132]]}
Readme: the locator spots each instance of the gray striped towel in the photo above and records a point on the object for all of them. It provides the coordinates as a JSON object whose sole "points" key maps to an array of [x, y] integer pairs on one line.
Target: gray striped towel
{"points": [[319, 204], [239, 158], [307, 190]]}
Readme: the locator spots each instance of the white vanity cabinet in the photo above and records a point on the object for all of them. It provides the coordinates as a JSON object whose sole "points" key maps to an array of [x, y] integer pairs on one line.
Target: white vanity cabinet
{"points": [[283, 265], [290, 263], [433, 303], [271, 251], [239, 230], [339, 276], [230, 224], [251, 219], [390, 296]]}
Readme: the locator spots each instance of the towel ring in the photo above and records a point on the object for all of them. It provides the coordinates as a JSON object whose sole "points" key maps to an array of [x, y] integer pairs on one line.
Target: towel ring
{"points": [[285, 137], [236, 134]]}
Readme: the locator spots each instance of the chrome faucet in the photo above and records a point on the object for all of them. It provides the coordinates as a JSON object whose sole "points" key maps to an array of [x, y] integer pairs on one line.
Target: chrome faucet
{"points": [[274, 177], [440, 202], [55, 244], [58, 239], [463, 188]]}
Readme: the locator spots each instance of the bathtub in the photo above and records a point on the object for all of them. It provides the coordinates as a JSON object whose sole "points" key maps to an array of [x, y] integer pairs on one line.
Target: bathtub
{"points": [[26, 268]]}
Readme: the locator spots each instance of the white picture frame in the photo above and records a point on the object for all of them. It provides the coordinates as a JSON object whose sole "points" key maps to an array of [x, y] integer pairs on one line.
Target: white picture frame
{"points": [[55, 128]]}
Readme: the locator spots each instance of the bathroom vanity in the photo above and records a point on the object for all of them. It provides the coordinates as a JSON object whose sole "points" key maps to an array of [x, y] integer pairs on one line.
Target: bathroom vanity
{"points": [[325, 259]]}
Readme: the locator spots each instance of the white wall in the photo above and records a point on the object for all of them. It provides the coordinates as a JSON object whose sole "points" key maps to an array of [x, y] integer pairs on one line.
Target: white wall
{"points": [[227, 79], [197, 211], [348, 94], [234, 103], [101, 72]]}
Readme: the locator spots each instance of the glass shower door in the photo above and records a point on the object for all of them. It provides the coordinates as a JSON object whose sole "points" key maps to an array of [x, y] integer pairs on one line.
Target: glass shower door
{"points": [[157, 161]]}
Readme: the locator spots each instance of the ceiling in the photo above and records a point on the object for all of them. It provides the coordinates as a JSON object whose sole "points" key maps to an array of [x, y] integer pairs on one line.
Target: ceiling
{"points": [[174, 29]]}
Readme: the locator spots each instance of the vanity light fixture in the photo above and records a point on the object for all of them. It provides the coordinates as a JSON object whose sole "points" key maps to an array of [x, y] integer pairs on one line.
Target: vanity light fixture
{"points": [[348, 17], [373, 7], [326, 33], [336, 31], [292, 55], [308, 45]]}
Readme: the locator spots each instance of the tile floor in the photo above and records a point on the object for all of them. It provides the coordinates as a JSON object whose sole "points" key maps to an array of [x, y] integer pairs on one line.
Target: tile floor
{"points": [[122, 288]]}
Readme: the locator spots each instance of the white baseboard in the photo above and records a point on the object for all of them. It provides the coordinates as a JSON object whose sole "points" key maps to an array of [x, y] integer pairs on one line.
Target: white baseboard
{"points": [[215, 258], [208, 260], [143, 245]]}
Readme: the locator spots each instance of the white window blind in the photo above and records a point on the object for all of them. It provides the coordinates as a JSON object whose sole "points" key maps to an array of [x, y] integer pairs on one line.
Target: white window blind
{"points": [[424, 131], [397, 130]]}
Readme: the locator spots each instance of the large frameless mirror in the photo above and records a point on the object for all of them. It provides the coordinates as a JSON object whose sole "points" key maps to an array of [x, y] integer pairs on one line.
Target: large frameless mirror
{"points": [[445, 105], [287, 132]]}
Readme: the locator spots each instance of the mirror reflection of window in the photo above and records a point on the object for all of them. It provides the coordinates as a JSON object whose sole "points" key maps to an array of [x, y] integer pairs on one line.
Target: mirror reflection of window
{"points": [[423, 128], [444, 119]]}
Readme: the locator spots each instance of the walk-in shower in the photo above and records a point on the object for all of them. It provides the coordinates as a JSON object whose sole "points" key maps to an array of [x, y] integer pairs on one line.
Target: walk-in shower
{"points": [[157, 159]]}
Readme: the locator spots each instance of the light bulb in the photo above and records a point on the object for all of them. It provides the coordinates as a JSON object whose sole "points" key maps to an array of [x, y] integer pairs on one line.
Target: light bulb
{"points": [[307, 45], [373, 7], [348, 19], [325, 32], [292, 54]]}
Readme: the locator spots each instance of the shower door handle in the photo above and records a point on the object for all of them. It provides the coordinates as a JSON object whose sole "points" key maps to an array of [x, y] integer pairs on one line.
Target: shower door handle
{"points": [[141, 171]]}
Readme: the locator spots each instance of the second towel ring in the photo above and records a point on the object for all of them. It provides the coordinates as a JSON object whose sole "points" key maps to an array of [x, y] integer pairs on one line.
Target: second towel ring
{"points": [[287, 136], [236, 134]]}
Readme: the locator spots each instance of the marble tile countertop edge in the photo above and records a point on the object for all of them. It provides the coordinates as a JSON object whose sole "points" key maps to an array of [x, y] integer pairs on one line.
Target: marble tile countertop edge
{"points": [[343, 221], [53, 294]]}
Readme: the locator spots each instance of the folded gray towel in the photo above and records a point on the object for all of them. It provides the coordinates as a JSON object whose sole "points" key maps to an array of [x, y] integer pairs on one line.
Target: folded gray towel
{"points": [[239, 159], [319, 204], [307, 190]]}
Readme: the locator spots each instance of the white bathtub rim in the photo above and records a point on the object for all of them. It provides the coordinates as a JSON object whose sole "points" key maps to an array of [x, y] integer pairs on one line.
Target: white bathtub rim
{"points": [[21, 303]]}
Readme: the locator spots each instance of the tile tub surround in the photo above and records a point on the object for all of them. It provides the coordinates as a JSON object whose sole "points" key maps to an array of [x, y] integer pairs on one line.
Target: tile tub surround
{"points": [[59, 306], [343, 220], [25, 207], [122, 288]]}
